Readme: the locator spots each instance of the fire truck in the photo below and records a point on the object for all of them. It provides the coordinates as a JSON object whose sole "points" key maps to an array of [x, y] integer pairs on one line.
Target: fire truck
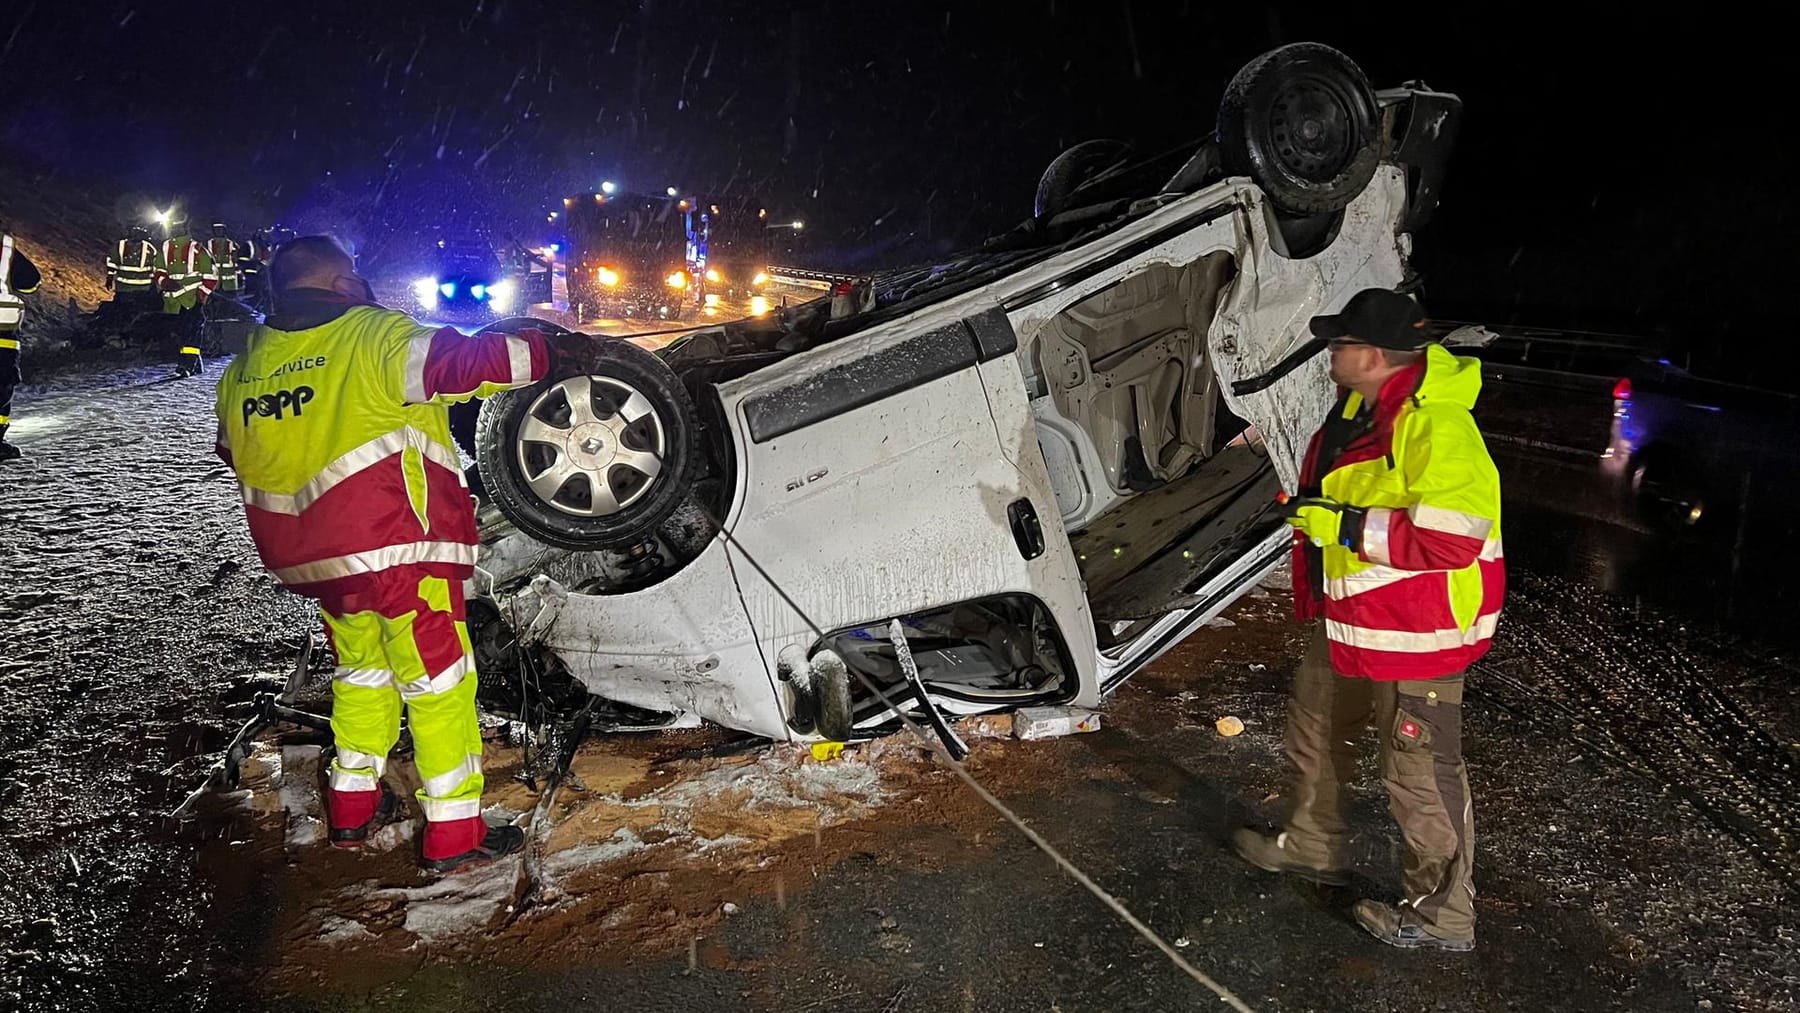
{"points": [[634, 255]]}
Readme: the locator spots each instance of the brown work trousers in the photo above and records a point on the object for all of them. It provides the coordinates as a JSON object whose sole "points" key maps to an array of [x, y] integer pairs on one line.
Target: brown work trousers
{"points": [[1419, 723]]}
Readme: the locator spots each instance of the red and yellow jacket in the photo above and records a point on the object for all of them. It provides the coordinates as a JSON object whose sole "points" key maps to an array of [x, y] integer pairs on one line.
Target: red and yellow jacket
{"points": [[183, 273], [335, 419], [1417, 593]]}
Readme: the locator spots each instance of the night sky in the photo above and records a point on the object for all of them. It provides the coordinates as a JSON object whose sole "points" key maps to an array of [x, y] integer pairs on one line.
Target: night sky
{"points": [[1617, 176]]}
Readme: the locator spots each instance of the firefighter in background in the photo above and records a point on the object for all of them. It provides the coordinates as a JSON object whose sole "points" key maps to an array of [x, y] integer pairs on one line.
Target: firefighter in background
{"points": [[184, 275], [131, 268], [334, 419], [224, 253], [18, 277], [252, 257]]}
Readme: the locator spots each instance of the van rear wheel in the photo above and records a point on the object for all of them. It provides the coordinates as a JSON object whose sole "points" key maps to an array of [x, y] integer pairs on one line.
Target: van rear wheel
{"points": [[596, 456]]}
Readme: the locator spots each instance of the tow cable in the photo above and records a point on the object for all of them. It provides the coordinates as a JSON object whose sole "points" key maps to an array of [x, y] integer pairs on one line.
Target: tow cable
{"points": [[950, 756], [946, 747]]}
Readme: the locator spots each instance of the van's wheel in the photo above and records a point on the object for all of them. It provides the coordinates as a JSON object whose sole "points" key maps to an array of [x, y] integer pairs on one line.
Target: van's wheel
{"points": [[1302, 122], [513, 325], [1072, 169], [1667, 495], [592, 457]]}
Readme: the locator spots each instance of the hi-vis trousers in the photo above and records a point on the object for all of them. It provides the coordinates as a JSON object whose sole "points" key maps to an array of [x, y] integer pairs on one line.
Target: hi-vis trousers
{"points": [[400, 638]]}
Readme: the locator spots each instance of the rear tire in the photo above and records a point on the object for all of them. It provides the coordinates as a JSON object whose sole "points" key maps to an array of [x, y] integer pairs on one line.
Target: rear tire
{"points": [[587, 493], [1302, 122], [1072, 169]]}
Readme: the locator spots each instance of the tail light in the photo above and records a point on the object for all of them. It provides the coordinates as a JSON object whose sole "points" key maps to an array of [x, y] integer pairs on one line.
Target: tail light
{"points": [[1622, 389]]}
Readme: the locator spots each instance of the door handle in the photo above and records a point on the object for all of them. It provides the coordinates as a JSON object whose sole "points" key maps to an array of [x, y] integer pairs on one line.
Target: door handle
{"points": [[1028, 531]]}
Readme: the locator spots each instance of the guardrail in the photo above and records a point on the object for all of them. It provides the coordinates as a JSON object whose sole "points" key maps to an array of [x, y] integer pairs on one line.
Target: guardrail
{"points": [[800, 277]]}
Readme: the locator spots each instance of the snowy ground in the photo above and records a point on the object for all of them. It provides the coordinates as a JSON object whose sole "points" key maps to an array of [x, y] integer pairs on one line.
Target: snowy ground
{"points": [[1632, 779]]}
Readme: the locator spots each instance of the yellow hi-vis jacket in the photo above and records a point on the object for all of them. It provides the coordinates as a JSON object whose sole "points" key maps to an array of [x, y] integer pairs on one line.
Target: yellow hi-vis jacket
{"points": [[1414, 592], [184, 273], [18, 276], [335, 418]]}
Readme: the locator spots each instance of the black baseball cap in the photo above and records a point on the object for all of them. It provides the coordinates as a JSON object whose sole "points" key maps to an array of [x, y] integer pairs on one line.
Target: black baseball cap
{"points": [[1377, 316]]}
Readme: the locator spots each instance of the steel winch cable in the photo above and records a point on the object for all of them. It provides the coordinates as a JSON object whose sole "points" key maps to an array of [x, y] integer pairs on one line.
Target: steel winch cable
{"points": [[938, 749]]}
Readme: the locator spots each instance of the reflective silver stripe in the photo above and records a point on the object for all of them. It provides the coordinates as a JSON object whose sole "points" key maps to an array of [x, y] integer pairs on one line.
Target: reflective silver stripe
{"points": [[350, 759], [1491, 549], [354, 771], [417, 351], [518, 355], [1370, 579], [1375, 535], [9, 301], [371, 453], [443, 810], [443, 682], [373, 678], [376, 560], [344, 780], [1408, 642], [6, 257], [450, 780], [1452, 522]]}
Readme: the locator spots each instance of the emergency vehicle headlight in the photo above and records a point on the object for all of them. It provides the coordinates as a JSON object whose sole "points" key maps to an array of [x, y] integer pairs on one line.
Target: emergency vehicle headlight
{"points": [[676, 280], [448, 289], [762, 278], [607, 276], [426, 289], [712, 275], [500, 295]]}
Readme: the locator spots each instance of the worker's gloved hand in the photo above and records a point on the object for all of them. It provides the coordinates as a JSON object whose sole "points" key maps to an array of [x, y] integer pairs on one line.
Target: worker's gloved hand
{"points": [[1325, 521], [168, 285]]}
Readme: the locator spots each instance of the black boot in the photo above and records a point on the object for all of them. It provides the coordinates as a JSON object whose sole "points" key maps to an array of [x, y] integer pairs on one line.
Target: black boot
{"points": [[188, 363], [8, 452], [385, 812], [500, 841]]}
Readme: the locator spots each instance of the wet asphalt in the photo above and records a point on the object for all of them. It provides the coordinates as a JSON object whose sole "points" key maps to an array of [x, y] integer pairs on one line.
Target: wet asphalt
{"points": [[1631, 748]]}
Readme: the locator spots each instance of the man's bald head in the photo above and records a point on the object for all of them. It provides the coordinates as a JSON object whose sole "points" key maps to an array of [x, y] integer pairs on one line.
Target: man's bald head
{"points": [[309, 262]]}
